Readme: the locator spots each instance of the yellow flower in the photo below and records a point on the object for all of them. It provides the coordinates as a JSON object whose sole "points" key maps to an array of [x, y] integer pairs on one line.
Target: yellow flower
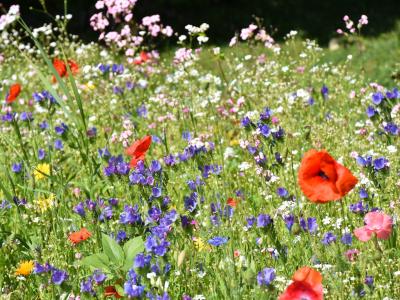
{"points": [[41, 171], [234, 142], [25, 268], [90, 86], [200, 245], [42, 203]]}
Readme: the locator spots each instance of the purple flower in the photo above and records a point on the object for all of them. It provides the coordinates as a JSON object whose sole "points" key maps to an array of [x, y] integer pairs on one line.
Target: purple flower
{"points": [[289, 221], [282, 192], [121, 235], [324, 92], [99, 277], [346, 239], [218, 241], [392, 128], [263, 220], [142, 111], [265, 130], [59, 276], [61, 129], [328, 238], [369, 280], [155, 166], [371, 111], [130, 215], [80, 209], [377, 98], [363, 193], [266, 114], [380, 163], [191, 202], [41, 154], [312, 225], [16, 168], [266, 276], [58, 145], [154, 213], [26, 116], [250, 221], [156, 192], [358, 207], [245, 122], [87, 286]]}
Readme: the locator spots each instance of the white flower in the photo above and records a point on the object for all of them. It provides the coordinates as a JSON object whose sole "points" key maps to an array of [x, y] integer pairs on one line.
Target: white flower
{"points": [[244, 166]]}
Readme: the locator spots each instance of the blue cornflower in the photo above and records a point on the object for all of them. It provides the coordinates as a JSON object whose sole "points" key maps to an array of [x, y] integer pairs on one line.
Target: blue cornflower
{"points": [[266, 276], [328, 238], [99, 276], [26, 116], [130, 215], [377, 98], [324, 92], [121, 236], [265, 130], [358, 207], [371, 111], [312, 225], [141, 260], [61, 129], [142, 111], [289, 221], [87, 286], [380, 163], [16, 168], [191, 202], [282, 192], [80, 209], [363, 193], [58, 145], [245, 122], [41, 154], [155, 166], [59, 276], [218, 241], [311, 101], [43, 125], [347, 239], [263, 220], [186, 135], [391, 128], [369, 280]]}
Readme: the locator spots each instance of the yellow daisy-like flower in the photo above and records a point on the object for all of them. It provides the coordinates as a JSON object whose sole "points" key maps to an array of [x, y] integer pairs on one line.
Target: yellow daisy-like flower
{"points": [[25, 268], [42, 203], [200, 244], [41, 171]]}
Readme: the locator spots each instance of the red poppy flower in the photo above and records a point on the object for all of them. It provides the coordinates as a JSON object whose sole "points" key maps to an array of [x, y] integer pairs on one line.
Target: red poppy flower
{"points": [[322, 179], [307, 284], [231, 202], [138, 150], [61, 68], [79, 236], [110, 291], [13, 93], [143, 57]]}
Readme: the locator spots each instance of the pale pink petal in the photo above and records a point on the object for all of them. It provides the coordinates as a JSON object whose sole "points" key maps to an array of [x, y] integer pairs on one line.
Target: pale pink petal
{"points": [[384, 234], [363, 234]]}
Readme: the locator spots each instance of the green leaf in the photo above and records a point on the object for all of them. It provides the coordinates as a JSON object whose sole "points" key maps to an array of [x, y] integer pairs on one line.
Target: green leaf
{"points": [[112, 250], [132, 248], [96, 261], [119, 289]]}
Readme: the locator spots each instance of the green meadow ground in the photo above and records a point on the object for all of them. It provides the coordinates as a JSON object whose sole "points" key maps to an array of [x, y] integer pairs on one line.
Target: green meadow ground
{"points": [[197, 104]]}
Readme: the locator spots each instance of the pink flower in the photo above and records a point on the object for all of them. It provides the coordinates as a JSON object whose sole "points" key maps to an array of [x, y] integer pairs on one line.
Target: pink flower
{"points": [[375, 222]]}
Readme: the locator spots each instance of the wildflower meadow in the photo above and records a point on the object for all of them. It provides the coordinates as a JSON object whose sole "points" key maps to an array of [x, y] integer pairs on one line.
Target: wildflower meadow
{"points": [[256, 170]]}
